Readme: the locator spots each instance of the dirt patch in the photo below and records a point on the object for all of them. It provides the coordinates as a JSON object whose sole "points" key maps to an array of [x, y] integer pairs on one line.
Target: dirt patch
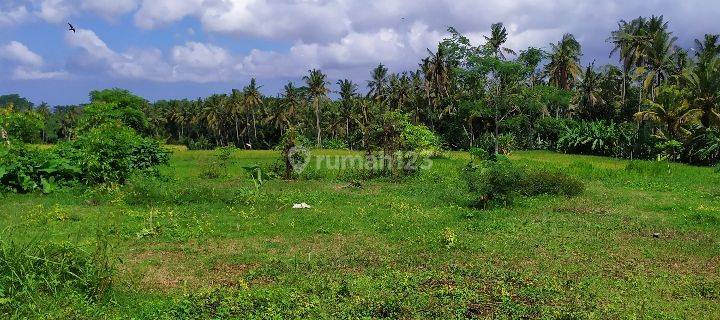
{"points": [[170, 270]]}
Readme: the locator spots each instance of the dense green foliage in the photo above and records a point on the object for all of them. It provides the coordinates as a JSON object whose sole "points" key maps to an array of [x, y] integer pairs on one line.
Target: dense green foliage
{"points": [[470, 95], [499, 181], [109, 153]]}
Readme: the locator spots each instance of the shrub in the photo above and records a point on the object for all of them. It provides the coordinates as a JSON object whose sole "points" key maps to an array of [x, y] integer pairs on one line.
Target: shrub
{"points": [[25, 126], [335, 144], [200, 143], [537, 182], [110, 153], [492, 182], [598, 138], [497, 183], [420, 139], [26, 169]]}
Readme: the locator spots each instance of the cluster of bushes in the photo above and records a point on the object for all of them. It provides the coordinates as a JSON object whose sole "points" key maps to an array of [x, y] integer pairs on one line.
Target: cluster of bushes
{"points": [[628, 140], [498, 182], [109, 153]]}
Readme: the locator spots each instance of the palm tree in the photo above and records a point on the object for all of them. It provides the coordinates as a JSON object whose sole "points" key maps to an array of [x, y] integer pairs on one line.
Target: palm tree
{"points": [[378, 84], [672, 111], [659, 60], [707, 49], [253, 100], [704, 83], [621, 40], [589, 91], [292, 99], [348, 96], [399, 91], [564, 66], [498, 37], [214, 112], [237, 107], [437, 71], [317, 87]]}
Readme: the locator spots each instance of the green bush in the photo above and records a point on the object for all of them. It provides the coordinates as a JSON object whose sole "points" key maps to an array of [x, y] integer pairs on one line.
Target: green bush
{"points": [[26, 169], [25, 126], [111, 152], [498, 183], [420, 139], [538, 182], [492, 182], [200, 143], [335, 144]]}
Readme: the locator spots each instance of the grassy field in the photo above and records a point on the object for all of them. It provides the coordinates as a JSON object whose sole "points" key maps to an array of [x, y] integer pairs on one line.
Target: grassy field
{"points": [[190, 246]]}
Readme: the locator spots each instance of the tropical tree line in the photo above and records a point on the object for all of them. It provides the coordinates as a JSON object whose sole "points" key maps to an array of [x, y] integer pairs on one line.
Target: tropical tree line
{"points": [[659, 100]]}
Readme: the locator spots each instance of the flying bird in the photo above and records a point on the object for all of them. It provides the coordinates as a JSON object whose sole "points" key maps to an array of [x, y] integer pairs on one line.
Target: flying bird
{"points": [[71, 27]]}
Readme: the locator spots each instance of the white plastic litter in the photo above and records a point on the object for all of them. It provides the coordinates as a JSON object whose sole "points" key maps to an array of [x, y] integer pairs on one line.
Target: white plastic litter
{"points": [[301, 206]]}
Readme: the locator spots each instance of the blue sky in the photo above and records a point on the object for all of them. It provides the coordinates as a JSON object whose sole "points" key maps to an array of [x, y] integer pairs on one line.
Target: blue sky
{"points": [[193, 48]]}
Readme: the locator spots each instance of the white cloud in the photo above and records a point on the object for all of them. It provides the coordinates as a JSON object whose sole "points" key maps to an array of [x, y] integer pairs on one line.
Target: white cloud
{"points": [[200, 55], [156, 13], [194, 61], [354, 52], [27, 64], [23, 73], [109, 9], [54, 11], [19, 53], [13, 16]]}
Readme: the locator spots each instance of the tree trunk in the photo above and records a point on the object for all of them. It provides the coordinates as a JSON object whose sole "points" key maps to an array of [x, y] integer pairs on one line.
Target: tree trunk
{"points": [[347, 132], [254, 126], [317, 121], [237, 131]]}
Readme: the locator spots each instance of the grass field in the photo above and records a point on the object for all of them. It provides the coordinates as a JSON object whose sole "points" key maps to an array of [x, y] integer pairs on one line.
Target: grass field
{"points": [[189, 246]]}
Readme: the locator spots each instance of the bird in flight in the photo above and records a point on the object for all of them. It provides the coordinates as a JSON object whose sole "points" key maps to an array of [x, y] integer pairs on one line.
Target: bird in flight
{"points": [[71, 27]]}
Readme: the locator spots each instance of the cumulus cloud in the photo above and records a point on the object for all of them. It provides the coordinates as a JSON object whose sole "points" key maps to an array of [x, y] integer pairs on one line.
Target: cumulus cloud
{"points": [[353, 54], [27, 64], [19, 53], [109, 9], [13, 15], [343, 37], [157, 13], [54, 11], [194, 61]]}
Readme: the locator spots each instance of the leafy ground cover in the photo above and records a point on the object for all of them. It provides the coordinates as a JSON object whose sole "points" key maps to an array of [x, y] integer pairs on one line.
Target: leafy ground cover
{"points": [[641, 242]]}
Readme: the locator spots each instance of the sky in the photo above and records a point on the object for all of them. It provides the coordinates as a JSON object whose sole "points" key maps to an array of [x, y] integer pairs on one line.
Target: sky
{"points": [[173, 49]]}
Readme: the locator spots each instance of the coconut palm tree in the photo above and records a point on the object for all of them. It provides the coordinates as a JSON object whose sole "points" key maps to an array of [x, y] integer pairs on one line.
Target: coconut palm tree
{"points": [[214, 114], [291, 102], [498, 37], [589, 91], [253, 101], [703, 81], [399, 91], [672, 111], [621, 40], [437, 71], [317, 87], [564, 66], [659, 58], [238, 108], [707, 49], [348, 96], [379, 83]]}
